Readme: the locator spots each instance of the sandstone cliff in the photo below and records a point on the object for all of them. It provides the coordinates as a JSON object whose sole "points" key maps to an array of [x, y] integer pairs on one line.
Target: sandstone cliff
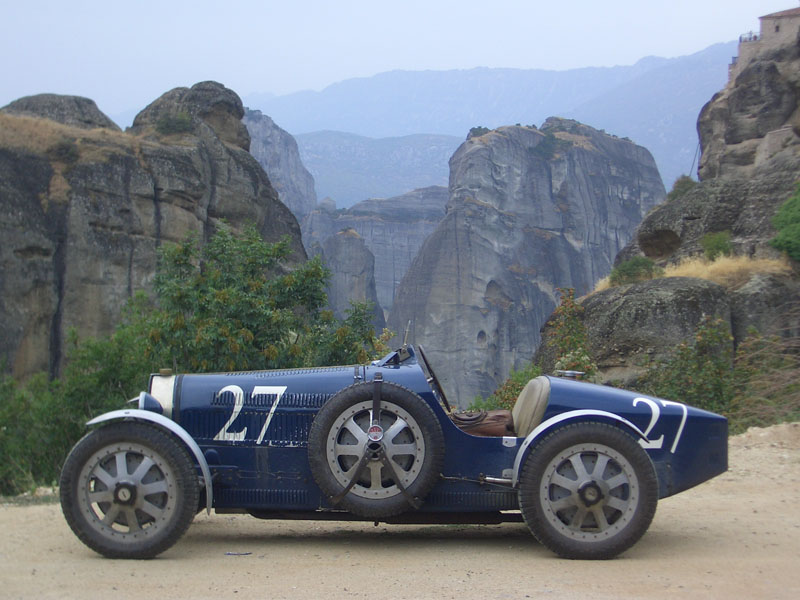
{"points": [[393, 229], [84, 207], [750, 165], [530, 210], [276, 151], [352, 279]]}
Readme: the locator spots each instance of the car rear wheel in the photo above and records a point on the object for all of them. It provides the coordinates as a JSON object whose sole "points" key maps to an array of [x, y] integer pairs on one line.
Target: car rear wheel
{"points": [[129, 490], [588, 491], [373, 475]]}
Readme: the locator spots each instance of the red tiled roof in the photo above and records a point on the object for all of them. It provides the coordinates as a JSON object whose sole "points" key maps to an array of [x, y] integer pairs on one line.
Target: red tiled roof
{"points": [[792, 12]]}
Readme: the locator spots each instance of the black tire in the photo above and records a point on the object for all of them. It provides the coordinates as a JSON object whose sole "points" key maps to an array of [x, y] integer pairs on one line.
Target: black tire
{"points": [[413, 441], [588, 491], [129, 490]]}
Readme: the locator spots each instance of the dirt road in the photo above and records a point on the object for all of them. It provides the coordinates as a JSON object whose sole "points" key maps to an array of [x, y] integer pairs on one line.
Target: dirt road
{"points": [[737, 536]]}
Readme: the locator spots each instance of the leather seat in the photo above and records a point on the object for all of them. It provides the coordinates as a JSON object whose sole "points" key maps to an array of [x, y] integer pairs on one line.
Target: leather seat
{"points": [[530, 405]]}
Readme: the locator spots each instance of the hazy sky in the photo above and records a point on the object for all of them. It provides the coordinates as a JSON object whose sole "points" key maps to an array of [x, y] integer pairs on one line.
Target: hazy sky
{"points": [[124, 55]]}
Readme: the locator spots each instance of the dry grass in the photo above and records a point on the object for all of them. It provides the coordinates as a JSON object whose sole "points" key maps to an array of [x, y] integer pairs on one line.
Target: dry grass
{"points": [[730, 272], [40, 135]]}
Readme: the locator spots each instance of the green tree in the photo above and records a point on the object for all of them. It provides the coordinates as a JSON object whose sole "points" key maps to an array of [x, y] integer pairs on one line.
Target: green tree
{"points": [[716, 244], [787, 222], [638, 268], [568, 337], [231, 305], [682, 186], [698, 373]]}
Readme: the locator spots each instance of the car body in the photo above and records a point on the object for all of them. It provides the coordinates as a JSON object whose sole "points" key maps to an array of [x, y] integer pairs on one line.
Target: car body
{"points": [[306, 444]]}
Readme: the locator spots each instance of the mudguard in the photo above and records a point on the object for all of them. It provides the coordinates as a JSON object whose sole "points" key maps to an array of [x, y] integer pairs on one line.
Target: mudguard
{"points": [[172, 427]]}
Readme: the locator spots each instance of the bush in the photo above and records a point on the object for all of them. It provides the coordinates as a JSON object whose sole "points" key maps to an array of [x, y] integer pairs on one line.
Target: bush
{"points": [[787, 222], [478, 131], [638, 268], [230, 305], [506, 395], [568, 336], [716, 244], [174, 123], [682, 186], [700, 373]]}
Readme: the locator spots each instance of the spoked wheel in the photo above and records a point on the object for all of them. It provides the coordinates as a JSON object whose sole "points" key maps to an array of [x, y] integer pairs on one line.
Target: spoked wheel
{"points": [[588, 491], [129, 490], [375, 471]]}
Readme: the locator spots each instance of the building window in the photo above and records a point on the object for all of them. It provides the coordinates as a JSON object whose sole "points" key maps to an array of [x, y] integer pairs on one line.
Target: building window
{"points": [[777, 27]]}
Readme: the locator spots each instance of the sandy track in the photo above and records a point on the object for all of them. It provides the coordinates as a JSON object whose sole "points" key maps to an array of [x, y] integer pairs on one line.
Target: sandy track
{"points": [[737, 536]]}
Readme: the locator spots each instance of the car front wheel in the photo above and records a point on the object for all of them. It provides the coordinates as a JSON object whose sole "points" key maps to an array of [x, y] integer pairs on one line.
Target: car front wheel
{"points": [[129, 490]]}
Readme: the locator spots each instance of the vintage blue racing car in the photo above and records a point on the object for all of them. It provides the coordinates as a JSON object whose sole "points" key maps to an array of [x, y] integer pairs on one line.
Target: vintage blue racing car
{"points": [[583, 465]]}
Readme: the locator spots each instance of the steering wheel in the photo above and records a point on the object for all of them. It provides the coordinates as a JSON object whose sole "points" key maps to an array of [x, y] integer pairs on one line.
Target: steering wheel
{"points": [[431, 378]]}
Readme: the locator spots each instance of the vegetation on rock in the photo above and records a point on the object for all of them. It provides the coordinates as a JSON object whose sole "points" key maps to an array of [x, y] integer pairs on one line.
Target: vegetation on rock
{"points": [[716, 244], [638, 268], [787, 222], [228, 305]]}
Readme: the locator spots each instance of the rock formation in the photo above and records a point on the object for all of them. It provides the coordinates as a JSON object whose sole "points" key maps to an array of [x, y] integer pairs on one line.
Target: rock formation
{"points": [[750, 165], [530, 210], [276, 151], [84, 207], [352, 279], [393, 229]]}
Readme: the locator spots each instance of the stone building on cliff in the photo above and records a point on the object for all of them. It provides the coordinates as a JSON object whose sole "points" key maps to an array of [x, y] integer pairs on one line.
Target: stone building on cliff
{"points": [[776, 30]]}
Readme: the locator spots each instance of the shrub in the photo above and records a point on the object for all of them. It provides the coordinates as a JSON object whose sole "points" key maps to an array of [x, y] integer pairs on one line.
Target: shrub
{"points": [[568, 337], [716, 244], [682, 186], [506, 395], [229, 305], [478, 131], [787, 222], [638, 268], [698, 373], [180, 122]]}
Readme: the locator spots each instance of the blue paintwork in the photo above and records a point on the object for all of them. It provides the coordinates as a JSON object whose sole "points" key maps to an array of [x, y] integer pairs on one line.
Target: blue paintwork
{"points": [[275, 474]]}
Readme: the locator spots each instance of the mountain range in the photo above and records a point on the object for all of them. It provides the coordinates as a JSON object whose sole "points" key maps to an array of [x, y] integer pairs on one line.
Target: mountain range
{"points": [[654, 102]]}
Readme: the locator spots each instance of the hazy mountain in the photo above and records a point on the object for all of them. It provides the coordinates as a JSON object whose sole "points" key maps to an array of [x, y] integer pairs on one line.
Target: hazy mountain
{"points": [[655, 102], [350, 168]]}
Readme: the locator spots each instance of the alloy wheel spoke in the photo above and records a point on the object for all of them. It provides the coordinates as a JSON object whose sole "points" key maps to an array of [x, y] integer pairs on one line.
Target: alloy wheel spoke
{"points": [[375, 479], [122, 464], [578, 518], [600, 466], [111, 515], [617, 503], [152, 510], [600, 517], [616, 481], [393, 450], [563, 504], [349, 449], [394, 429], [157, 487], [580, 468], [142, 469], [101, 496], [356, 431], [564, 482], [130, 517], [106, 478]]}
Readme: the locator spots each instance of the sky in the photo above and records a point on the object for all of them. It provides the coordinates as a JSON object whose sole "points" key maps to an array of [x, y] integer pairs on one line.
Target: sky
{"points": [[124, 55]]}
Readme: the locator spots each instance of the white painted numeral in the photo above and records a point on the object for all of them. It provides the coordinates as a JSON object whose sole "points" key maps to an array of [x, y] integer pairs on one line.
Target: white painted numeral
{"points": [[238, 403], [278, 390], [655, 415]]}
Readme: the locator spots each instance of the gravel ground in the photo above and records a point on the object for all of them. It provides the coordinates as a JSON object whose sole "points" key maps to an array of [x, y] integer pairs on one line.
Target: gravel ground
{"points": [[737, 536]]}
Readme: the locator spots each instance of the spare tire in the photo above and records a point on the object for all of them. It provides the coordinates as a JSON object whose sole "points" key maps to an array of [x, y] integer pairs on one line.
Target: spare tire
{"points": [[412, 442]]}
